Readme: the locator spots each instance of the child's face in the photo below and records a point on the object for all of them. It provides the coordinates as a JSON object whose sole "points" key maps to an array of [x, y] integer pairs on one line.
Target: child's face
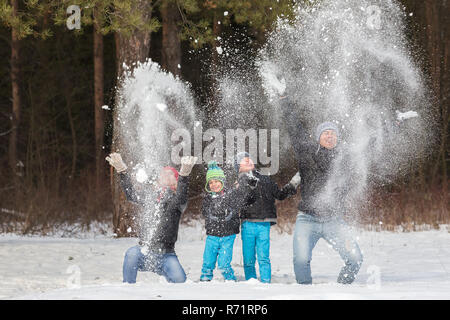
{"points": [[215, 185], [246, 165]]}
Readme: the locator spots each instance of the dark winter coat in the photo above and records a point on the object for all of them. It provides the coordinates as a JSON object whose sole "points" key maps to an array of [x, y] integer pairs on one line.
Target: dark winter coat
{"points": [[260, 202], [221, 216], [162, 213], [221, 211], [330, 179], [315, 164]]}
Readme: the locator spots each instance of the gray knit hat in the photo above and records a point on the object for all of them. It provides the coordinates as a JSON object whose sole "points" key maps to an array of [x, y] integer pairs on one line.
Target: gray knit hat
{"points": [[326, 126], [238, 159]]}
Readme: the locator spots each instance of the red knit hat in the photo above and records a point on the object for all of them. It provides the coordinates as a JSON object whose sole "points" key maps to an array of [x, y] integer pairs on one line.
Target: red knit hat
{"points": [[175, 172]]}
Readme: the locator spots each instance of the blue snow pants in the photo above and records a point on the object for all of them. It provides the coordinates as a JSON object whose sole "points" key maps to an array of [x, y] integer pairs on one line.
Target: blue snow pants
{"points": [[256, 244], [220, 250]]}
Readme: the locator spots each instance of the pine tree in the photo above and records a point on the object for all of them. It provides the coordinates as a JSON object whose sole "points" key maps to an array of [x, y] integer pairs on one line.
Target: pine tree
{"points": [[23, 23]]}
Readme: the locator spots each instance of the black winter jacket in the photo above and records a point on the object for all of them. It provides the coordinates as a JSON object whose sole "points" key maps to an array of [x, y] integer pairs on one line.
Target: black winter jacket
{"points": [[329, 176], [260, 202], [221, 211], [315, 165], [161, 218], [221, 214]]}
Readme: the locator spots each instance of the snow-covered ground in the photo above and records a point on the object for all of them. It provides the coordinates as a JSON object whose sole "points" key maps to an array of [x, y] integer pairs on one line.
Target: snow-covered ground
{"points": [[396, 266]]}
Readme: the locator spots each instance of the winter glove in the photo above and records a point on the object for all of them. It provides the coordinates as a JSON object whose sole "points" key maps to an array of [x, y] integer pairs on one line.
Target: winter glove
{"points": [[405, 115], [295, 181], [273, 85], [251, 180], [116, 161], [187, 163]]}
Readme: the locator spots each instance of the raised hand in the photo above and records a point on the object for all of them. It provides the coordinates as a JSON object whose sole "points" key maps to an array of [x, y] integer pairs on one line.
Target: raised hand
{"points": [[406, 115], [187, 163], [295, 181], [115, 160]]}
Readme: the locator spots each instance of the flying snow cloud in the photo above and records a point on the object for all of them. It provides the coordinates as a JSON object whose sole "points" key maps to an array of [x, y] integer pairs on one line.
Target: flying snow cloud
{"points": [[348, 61]]}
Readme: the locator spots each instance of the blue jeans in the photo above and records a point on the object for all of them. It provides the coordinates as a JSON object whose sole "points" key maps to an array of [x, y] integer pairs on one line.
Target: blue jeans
{"points": [[256, 243], [308, 230], [220, 250], [166, 264]]}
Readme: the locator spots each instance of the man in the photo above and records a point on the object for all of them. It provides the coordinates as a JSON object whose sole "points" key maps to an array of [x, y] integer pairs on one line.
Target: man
{"points": [[163, 209], [328, 176], [320, 210]]}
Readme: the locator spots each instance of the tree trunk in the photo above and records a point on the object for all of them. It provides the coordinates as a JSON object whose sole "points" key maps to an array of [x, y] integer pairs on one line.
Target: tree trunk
{"points": [[171, 43], [217, 29], [129, 50], [15, 116], [134, 48], [436, 20], [98, 103], [445, 93], [437, 42], [434, 42]]}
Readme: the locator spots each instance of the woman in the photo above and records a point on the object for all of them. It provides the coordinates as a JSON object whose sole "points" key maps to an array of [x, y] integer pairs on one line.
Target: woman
{"points": [[156, 249]]}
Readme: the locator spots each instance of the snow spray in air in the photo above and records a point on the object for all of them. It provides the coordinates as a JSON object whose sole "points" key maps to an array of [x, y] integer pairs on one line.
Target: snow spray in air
{"points": [[152, 103], [348, 61]]}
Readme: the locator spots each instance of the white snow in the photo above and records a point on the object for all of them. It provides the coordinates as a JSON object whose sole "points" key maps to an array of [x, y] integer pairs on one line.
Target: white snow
{"points": [[161, 107], [141, 175], [272, 85], [406, 115], [396, 266]]}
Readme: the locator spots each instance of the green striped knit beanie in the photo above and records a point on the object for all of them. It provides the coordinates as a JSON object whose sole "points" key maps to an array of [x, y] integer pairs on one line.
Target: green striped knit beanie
{"points": [[214, 173]]}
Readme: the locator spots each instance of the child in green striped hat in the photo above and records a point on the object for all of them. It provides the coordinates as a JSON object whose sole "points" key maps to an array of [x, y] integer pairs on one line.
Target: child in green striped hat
{"points": [[215, 178], [220, 209]]}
